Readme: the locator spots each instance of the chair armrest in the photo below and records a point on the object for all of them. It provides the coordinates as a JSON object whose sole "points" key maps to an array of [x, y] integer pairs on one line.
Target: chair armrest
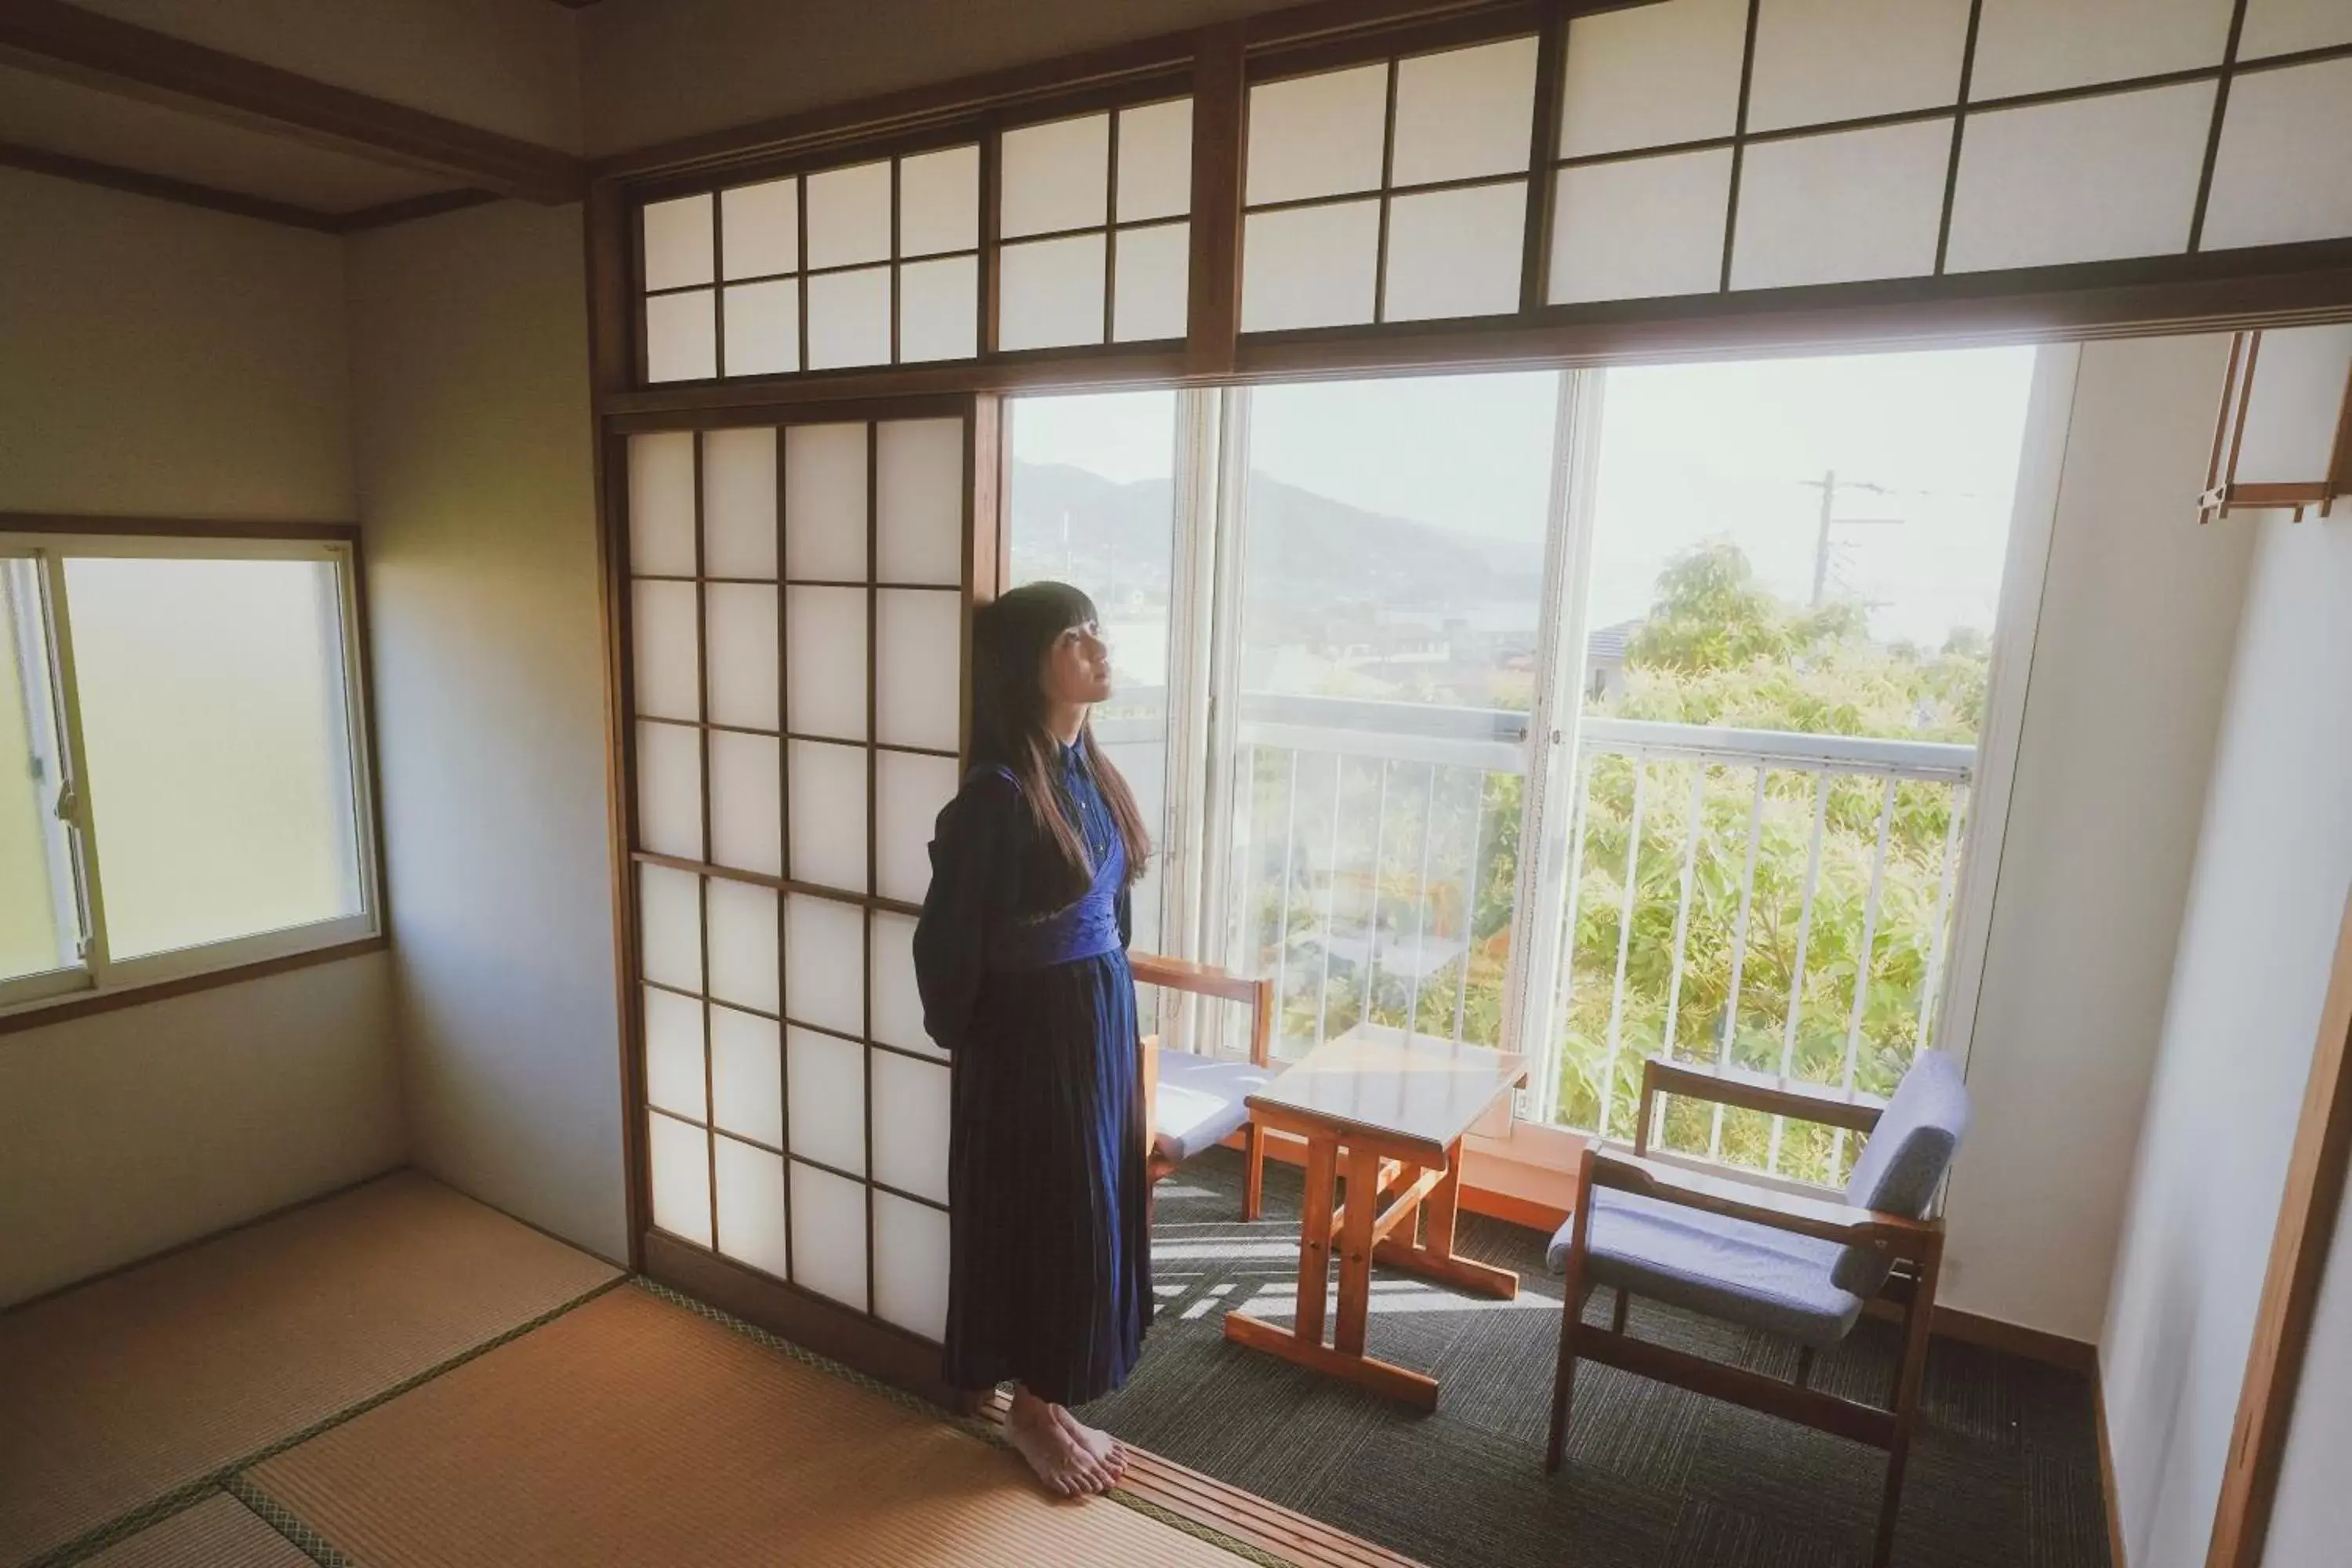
{"points": [[1847, 1224], [1749, 1091], [1209, 980], [1147, 1073]]}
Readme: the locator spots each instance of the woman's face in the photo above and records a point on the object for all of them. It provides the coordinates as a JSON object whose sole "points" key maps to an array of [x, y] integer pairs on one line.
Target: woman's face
{"points": [[1078, 667]]}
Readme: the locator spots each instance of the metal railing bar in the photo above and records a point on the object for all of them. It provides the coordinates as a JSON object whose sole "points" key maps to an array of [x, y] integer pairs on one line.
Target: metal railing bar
{"points": [[1330, 900], [1739, 954], [1583, 808], [1421, 898], [1863, 956], [1682, 907], [1797, 970], [1486, 756], [1470, 900], [1624, 946], [1372, 921], [1924, 759], [1282, 932], [1939, 940]]}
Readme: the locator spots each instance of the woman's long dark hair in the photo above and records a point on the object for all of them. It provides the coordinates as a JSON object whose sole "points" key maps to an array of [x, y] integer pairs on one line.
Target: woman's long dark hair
{"points": [[1010, 638]]}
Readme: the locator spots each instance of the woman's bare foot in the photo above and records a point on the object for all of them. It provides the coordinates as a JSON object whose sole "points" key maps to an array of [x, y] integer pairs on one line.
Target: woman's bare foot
{"points": [[1106, 1449], [1067, 1468]]}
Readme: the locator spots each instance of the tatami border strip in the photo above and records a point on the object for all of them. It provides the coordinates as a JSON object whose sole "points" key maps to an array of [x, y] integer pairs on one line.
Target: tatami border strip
{"points": [[282, 1519]]}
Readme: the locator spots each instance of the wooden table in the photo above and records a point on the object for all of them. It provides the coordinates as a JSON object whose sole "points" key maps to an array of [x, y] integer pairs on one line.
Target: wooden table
{"points": [[1387, 1110]]}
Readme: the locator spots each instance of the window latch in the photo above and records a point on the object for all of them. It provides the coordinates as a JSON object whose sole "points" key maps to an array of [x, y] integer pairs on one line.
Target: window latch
{"points": [[68, 803]]}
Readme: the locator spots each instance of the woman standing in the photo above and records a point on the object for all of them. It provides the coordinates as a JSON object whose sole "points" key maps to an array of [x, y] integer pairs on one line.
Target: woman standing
{"points": [[1021, 959]]}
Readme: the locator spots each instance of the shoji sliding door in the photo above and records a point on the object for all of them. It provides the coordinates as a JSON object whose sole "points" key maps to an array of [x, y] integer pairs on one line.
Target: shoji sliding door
{"points": [[794, 635]]}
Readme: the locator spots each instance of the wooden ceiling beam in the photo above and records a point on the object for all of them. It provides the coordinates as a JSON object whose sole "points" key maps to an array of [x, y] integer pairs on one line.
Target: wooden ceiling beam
{"points": [[163, 188]]}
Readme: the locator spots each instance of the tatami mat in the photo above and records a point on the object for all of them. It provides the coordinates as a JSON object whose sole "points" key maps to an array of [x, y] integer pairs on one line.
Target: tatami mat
{"points": [[148, 1381], [219, 1532], [630, 1430]]}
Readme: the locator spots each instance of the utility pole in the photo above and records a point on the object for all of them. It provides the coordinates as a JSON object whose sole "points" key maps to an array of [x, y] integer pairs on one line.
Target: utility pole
{"points": [[1829, 486]]}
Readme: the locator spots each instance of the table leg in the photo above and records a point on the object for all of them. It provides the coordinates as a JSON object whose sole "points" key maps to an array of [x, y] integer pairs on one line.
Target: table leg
{"points": [[1356, 1251], [1434, 1258], [1315, 1237]]}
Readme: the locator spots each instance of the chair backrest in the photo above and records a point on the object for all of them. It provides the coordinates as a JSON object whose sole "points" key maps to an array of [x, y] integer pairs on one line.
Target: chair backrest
{"points": [[1905, 1161]]}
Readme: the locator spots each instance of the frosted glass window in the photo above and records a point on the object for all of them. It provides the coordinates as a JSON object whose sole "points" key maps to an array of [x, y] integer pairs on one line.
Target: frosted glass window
{"points": [[1050, 293], [742, 654], [2297, 398], [1309, 267], [661, 504], [910, 1125], [1155, 160], [919, 513], [1455, 253], [826, 949], [939, 201], [2284, 27], [1055, 176], [743, 950], [829, 1236], [1616, 61], [917, 657], [681, 337], [849, 318], [747, 1075], [939, 310], [2083, 179], [2033, 45], [1464, 112], [746, 810], [1835, 208], [910, 1266], [739, 503], [1317, 135], [825, 503], [674, 1052], [669, 926], [751, 1204], [898, 1005], [763, 328], [678, 242], [2271, 186], [1643, 227], [1152, 289], [761, 228], [828, 808], [849, 216], [827, 1098], [666, 663], [669, 789], [824, 630], [1818, 60], [680, 1157], [910, 790]]}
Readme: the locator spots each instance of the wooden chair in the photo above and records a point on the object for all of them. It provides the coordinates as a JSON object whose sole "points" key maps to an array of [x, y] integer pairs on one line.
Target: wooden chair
{"points": [[1192, 1101], [1802, 1267]]}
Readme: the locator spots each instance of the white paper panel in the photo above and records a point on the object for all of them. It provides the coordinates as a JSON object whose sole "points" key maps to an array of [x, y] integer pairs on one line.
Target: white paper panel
{"points": [[2272, 186], [1455, 253], [825, 949], [898, 1004], [918, 512], [763, 328], [910, 1125], [2297, 399], [678, 242], [681, 336], [2033, 45], [669, 789], [939, 310], [1050, 293], [761, 228], [1613, 99], [664, 672], [1056, 175], [1318, 135], [829, 1236], [680, 1157], [1155, 160], [824, 633], [1309, 267], [909, 791], [750, 1205], [1834, 208], [849, 216], [747, 1075], [1818, 60], [825, 503], [917, 643], [669, 925], [674, 1052], [1464, 112], [661, 504], [828, 808], [743, 949], [1153, 284], [826, 1098], [742, 653], [849, 318], [910, 1266], [2284, 27], [939, 201], [2085, 180], [746, 810], [739, 503], [1644, 227]]}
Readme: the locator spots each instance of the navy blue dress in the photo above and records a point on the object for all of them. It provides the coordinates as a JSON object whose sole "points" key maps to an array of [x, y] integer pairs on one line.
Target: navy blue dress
{"points": [[1049, 1277]]}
